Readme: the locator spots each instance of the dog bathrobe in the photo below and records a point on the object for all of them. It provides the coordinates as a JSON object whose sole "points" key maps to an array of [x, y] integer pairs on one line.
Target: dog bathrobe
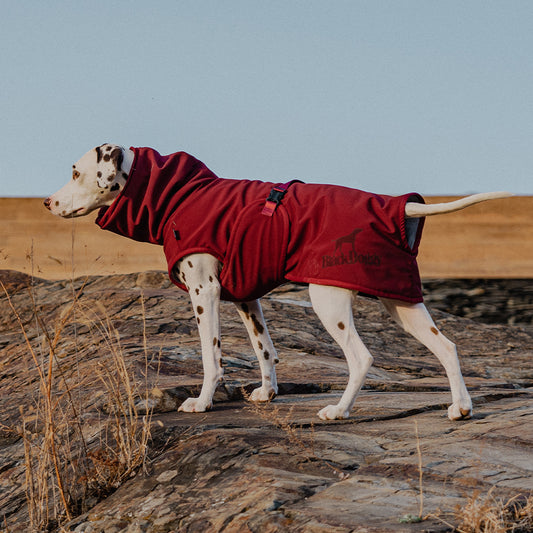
{"points": [[322, 234]]}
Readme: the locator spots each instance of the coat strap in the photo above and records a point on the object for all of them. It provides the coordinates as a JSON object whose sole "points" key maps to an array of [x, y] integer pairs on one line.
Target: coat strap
{"points": [[275, 197]]}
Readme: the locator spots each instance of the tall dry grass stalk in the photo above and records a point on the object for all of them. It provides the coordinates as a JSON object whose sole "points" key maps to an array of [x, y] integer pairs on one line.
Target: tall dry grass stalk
{"points": [[420, 473], [67, 472]]}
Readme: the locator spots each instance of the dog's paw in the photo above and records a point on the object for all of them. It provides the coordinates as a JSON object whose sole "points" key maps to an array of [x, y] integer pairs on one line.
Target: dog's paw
{"points": [[333, 412], [263, 394], [460, 410], [194, 405]]}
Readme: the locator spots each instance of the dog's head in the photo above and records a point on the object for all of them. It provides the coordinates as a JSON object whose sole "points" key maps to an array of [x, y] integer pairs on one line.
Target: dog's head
{"points": [[97, 179]]}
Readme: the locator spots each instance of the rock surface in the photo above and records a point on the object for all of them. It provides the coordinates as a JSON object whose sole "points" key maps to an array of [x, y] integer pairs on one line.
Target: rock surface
{"points": [[275, 467]]}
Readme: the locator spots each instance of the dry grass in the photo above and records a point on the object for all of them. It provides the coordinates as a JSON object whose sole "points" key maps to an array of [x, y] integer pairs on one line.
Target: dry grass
{"points": [[265, 411], [74, 457], [488, 514], [480, 514]]}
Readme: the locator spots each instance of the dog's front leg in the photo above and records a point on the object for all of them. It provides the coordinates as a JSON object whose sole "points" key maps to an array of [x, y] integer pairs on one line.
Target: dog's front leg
{"points": [[199, 272], [252, 316]]}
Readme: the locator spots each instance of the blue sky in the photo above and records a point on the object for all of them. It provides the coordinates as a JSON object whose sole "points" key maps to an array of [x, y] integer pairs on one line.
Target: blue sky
{"points": [[389, 96]]}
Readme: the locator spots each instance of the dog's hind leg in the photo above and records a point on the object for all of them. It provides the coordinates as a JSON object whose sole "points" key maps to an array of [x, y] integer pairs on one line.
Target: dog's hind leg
{"points": [[199, 272], [334, 308], [252, 316], [416, 320]]}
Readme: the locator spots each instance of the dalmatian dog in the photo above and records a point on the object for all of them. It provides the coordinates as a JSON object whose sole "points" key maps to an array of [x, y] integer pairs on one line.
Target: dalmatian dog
{"points": [[101, 180]]}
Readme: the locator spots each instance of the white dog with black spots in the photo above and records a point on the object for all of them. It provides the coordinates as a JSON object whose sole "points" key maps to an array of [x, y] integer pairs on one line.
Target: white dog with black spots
{"points": [[98, 179]]}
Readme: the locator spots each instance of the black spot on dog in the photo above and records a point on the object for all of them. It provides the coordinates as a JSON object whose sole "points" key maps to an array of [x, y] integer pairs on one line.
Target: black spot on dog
{"points": [[258, 327], [341, 325], [246, 310], [190, 264], [199, 309], [57, 203], [111, 177], [108, 148], [211, 279], [260, 345], [115, 187], [197, 291], [98, 154], [107, 157], [266, 355], [99, 174]]}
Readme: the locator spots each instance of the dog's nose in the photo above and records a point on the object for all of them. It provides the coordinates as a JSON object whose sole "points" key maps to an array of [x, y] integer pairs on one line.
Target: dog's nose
{"points": [[47, 203]]}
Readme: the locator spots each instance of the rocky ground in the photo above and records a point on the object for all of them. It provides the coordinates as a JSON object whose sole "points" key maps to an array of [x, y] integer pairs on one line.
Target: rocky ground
{"points": [[276, 467]]}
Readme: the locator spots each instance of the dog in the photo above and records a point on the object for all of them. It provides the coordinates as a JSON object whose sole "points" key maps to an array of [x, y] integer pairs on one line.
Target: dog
{"points": [[226, 239]]}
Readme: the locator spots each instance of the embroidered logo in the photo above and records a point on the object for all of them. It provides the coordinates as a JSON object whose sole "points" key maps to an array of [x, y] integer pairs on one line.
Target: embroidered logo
{"points": [[341, 256]]}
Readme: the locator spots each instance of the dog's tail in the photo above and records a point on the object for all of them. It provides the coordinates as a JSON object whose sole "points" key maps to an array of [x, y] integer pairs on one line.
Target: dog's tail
{"points": [[416, 210]]}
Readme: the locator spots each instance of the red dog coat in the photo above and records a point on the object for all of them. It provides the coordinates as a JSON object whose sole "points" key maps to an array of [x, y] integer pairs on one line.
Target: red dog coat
{"points": [[323, 234]]}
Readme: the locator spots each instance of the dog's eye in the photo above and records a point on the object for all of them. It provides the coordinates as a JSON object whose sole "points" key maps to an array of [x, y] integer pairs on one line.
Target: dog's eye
{"points": [[75, 175]]}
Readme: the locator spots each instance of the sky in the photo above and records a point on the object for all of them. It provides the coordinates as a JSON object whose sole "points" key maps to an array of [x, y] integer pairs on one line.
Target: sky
{"points": [[387, 96]]}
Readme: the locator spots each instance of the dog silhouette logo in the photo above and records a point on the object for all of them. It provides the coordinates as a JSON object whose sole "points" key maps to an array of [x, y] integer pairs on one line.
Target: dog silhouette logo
{"points": [[347, 239]]}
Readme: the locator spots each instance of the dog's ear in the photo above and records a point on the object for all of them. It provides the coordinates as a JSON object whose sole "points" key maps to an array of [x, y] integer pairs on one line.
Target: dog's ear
{"points": [[117, 157]]}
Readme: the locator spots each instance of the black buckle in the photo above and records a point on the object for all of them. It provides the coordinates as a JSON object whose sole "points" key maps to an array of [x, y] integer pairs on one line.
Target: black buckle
{"points": [[276, 195]]}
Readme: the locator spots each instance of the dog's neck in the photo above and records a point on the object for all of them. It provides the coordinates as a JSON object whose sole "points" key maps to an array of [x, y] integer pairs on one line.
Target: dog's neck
{"points": [[127, 161]]}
